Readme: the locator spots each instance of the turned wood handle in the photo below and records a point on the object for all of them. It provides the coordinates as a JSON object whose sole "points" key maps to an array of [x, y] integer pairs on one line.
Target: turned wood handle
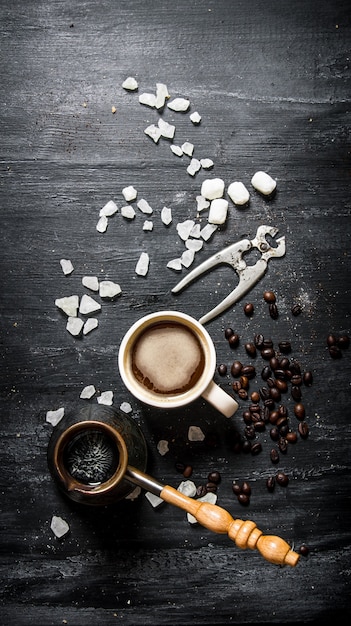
{"points": [[244, 533]]}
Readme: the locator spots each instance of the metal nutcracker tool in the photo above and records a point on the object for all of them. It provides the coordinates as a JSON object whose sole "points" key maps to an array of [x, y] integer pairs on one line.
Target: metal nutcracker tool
{"points": [[233, 255]]}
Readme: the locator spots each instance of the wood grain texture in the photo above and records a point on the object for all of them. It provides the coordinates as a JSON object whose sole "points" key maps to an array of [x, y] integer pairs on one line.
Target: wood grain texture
{"points": [[272, 84]]}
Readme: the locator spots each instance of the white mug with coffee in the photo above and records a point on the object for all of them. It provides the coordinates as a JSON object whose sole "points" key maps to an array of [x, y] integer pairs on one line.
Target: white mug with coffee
{"points": [[167, 359]]}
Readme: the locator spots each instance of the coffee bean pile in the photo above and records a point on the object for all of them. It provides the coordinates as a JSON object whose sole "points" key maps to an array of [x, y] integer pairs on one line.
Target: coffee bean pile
{"points": [[337, 343], [242, 492]]}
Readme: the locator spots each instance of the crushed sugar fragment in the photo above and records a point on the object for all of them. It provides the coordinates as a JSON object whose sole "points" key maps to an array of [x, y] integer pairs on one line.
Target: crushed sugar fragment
{"points": [[68, 304], [218, 211], [207, 231], [184, 229], [175, 264], [148, 99], [154, 132], [109, 289], [129, 193], [179, 104], [90, 325], [163, 447], [187, 257], [167, 130], [109, 209], [176, 150], [87, 392], [154, 500], [126, 407], [74, 326], [106, 397], [128, 212], [263, 183], [195, 433], [130, 84], [59, 526], [54, 417], [142, 266], [166, 215], [148, 225], [161, 95], [238, 193], [67, 266], [193, 167], [206, 164], [102, 224], [144, 206], [187, 488], [91, 282], [195, 117], [187, 148], [194, 244], [202, 203], [212, 188], [88, 305]]}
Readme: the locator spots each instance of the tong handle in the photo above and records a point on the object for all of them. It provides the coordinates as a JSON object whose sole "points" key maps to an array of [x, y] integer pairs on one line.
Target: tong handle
{"points": [[244, 533]]}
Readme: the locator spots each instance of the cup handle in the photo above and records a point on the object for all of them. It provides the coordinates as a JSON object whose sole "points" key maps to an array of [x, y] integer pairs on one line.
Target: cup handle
{"points": [[220, 399]]}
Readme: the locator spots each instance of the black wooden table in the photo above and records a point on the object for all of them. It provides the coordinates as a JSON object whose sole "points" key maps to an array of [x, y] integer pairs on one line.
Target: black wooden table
{"points": [[271, 82]]}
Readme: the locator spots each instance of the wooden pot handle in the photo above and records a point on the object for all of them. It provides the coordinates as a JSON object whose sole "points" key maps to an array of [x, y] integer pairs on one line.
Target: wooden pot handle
{"points": [[244, 533]]}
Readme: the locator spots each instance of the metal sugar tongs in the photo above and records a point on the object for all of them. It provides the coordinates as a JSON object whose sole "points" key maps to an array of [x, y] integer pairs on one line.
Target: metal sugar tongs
{"points": [[249, 275]]}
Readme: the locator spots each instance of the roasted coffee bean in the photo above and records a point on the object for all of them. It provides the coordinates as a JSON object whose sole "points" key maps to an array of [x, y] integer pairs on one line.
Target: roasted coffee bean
{"points": [[267, 353], [260, 426], [236, 368], [273, 417], [299, 411], [296, 310], [291, 437], [265, 414], [244, 381], [274, 363], [284, 346], [279, 373], [269, 402], [222, 369], [255, 397], [275, 394], [282, 479], [331, 340], [233, 340], [274, 433], [282, 410], [266, 373], [249, 309], [246, 446], [180, 467], [281, 421], [246, 488], [211, 487], [296, 379], [236, 385], [288, 374], [228, 332], [236, 488], [282, 385], [249, 432], [242, 393], [282, 445], [284, 430], [201, 491], [264, 393], [273, 311], [267, 343], [296, 393], [214, 477], [269, 296], [258, 341], [270, 483], [255, 408], [303, 430], [247, 417], [274, 455], [256, 448], [250, 349], [270, 382], [295, 367], [188, 470], [249, 371], [284, 363], [335, 352], [308, 378], [304, 550], [343, 341], [243, 499]]}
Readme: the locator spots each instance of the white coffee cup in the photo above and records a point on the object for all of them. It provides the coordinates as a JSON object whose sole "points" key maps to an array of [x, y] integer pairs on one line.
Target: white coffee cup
{"points": [[167, 359]]}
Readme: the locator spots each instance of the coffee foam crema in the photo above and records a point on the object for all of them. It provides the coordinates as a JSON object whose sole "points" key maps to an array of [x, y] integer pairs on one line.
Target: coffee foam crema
{"points": [[168, 358]]}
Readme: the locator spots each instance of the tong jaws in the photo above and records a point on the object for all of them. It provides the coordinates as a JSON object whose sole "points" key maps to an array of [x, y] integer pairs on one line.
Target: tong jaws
{"points": [[249, 275]]}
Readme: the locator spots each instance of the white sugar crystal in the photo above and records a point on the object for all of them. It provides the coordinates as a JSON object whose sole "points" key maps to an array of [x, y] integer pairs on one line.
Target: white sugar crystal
{"points": [[106, 397], [134, 495], [74, 326], [129, 193], [202, 203], [161, 95], [90, 325], [153, 132], [206, 163], [195, 117], [148, 225], [175, 264], [109, 209], [263, 183], [166, 215], [207, 231], [193, 167], [144, 206], [188, 488], [87, 392], [68, 305], [54, 417], [188, 148], [130, 84], [194, 244], [212, 188], [66, 266], [179, 104], [59, 526], [149, 99], [142, 265], [208, 497], [102, 224], [109, 289], [154, 500], [187, 257], [88, 305], [238, 193], [177, 150], [128, 212], [167, 130], [126, 407], [195, 433], [91, 282], [195, 231], [218, 211], [184, 229], [163, 447]]}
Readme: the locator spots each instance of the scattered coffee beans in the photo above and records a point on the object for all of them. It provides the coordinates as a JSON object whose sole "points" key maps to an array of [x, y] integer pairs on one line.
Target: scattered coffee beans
{"points": [[269, 296], [282, 479], [222, 369], [228, 332], [242, 492], [304, 550], [270, 483], [336, 344], [233, 340], [296, 310], [273, 311], [214, 477], [249, 309]]}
